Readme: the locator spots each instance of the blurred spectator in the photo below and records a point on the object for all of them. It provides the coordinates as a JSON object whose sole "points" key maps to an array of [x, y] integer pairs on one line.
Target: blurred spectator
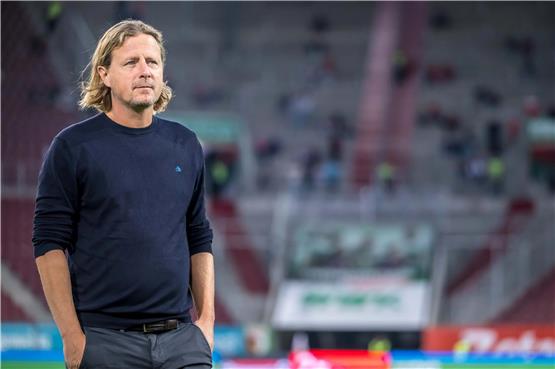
{"points": [[450, 122], [335, 147], [402, 67], [284, 103], [37, 46], [322, 70], [455, 144], [496, 174], [204, 96], [477, 170], [266, 150], [53, 15], [386, 176], [379, 343], [469, 142], [319, 25], [514, 128], [122, 11], [551, 183], [494, 137], [462, 147], [302, 109], [512, 44], [316, 46], [310, 164], [268, 147], [531, 106], [294, 177], [300, 342], [219, 169], [487, 96], [46, 96], [128, 10], [339, 126], [431, 116], [394, 258], [440, 20], [439, 73], [528, 60], [330, 174], [329, 65], [525, 47]]}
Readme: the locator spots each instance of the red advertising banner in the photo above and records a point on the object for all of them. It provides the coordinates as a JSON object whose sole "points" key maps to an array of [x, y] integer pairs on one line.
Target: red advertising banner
{"points": [[494, 338], [339, 359]]}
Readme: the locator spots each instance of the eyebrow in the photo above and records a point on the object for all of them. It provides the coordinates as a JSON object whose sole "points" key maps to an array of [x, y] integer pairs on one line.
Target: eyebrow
{"points": [[135, 58]]}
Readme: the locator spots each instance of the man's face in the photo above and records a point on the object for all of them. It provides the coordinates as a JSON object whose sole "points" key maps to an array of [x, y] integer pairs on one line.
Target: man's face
{"points": [[135, 75]]}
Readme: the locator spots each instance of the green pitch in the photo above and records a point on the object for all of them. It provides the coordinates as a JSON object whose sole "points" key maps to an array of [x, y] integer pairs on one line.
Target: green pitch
{"points": [[32, 365], [477, 366], [421, 364], [54, 365]]}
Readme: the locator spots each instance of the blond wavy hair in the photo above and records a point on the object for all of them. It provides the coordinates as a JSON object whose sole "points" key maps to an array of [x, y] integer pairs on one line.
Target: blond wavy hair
{"points": [[94, 94]]}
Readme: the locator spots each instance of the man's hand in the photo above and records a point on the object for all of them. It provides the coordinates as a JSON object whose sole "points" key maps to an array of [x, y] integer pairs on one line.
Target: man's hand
{"points": [[207, 329], [202, 288], [74, 349]]}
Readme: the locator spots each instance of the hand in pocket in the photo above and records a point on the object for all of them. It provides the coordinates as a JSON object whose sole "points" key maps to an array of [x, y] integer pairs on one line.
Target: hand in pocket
{"points": [[74, 349]]}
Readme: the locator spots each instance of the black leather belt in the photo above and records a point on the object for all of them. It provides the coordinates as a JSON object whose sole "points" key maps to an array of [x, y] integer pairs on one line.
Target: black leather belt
{"points": [[157, 327]]}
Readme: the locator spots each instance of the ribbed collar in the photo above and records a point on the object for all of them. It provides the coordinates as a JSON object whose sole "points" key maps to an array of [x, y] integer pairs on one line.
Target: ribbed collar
{"points": [[128, 130]]}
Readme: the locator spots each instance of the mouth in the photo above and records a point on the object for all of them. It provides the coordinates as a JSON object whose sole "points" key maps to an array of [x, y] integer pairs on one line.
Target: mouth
{"points": [[139, 87]]}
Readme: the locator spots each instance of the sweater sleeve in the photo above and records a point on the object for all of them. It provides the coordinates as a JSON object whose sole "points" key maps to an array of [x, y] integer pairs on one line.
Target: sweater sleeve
{"points": [[199, 232], [56, 201]]}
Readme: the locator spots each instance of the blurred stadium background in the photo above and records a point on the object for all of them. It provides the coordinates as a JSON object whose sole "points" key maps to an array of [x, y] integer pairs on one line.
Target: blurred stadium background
{"points": [[381, 175]]}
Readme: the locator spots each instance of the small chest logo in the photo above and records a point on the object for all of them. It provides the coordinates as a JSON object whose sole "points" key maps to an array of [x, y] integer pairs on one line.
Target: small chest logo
{"points": [[178, 169]]}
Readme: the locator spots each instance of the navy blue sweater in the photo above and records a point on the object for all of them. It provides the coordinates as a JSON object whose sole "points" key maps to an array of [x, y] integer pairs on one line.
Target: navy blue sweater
{"points": [[128, 206]]}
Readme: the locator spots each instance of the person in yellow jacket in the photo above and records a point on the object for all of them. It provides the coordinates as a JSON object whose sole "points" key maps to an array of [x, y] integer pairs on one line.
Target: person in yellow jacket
{"points": [[496, 174]]}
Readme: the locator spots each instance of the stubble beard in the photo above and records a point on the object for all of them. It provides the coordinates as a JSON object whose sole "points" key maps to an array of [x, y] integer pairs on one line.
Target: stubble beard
{"points": [[142, 104]]}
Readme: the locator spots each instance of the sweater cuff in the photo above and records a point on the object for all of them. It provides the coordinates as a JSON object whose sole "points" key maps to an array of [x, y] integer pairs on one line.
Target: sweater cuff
{"points": [[205, 247], [45, 247]]}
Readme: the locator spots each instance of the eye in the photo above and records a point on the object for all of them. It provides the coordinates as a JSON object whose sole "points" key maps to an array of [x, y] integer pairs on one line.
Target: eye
{"points": [[154, 62]]}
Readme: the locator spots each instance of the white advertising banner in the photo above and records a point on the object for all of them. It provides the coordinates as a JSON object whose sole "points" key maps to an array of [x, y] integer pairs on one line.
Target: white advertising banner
{"points": [[351, 306]]}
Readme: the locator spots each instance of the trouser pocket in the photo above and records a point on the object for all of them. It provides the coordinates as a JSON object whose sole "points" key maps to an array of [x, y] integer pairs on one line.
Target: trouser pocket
{"points": [[82, 364], [203, 339]]}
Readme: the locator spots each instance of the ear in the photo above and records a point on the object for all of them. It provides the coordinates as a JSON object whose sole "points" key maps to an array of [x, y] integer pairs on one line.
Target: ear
{"points": [[104, 75]]}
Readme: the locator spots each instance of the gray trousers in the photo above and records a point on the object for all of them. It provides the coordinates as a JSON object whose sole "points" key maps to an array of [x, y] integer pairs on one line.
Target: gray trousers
{"points": [[182, 348]]}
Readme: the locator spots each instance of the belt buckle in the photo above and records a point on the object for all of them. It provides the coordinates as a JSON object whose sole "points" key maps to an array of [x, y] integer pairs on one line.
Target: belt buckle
{"points": [[171, 324], [167, 325]]}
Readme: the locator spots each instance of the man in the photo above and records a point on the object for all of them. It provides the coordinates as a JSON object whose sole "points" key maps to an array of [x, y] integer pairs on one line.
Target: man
{"points": [[122, 194]]}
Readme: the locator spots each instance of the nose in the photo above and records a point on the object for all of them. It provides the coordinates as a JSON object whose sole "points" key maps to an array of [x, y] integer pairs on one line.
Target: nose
{"points": [[144, 69]]}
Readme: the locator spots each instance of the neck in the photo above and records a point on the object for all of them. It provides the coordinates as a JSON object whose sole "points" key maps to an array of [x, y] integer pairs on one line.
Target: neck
{"points": [[131, 118]]}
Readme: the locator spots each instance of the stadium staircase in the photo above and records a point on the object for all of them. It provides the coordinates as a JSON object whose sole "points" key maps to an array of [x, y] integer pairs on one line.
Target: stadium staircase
{"points": [[536, 305], [387, 110], [11, 312], [517, 214], [402, 116], [512, 260], [17, 250], [371, 125], [239, 247]]}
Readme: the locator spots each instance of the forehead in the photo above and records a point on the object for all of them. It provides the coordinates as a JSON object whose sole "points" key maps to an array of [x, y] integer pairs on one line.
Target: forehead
{"points": [[141, 44]]}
